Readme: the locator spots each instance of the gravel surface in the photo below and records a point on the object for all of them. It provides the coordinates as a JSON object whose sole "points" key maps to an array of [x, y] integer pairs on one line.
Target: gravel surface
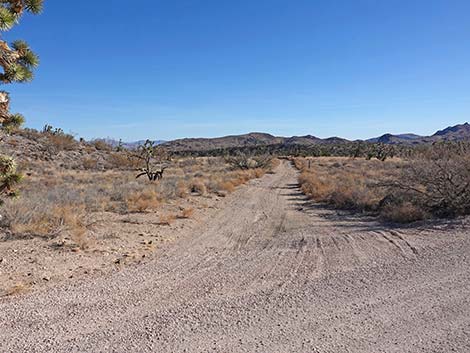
{"points": [[267, 272]]}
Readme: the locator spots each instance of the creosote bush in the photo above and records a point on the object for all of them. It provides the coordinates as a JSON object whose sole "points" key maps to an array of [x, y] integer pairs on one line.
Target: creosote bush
{"points": [[434, 181], [437, 180], [246, 161]]}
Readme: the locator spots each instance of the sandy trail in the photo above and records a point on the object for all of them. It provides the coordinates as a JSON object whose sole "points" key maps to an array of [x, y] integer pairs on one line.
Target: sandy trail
{"points": [[268, 272]]}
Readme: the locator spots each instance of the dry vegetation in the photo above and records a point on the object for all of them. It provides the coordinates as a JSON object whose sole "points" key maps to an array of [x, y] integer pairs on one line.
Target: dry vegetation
{"points": [[61, 200], [346, 183], [81, 206], [433, 182]]}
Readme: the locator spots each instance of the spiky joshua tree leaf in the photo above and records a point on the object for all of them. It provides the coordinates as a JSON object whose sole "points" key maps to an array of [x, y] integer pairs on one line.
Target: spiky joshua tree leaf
{"points": [[18, 62]]}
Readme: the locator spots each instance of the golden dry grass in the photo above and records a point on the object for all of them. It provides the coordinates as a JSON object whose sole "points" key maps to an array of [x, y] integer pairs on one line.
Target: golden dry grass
{"points": [[142, 201], [182, 189], [167, 219], [346, 183], [48, 221], [62, 142], [186, 213], [89, 163], [226, 186], [58, 201]]}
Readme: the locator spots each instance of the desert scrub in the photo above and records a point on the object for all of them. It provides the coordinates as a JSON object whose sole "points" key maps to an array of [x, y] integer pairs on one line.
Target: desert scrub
{"points": [[186, 213], [246, 161], [403, 212], [50, 195], [197, 186], [345, 183], [436, 179], [38, 217], [143, 201]]}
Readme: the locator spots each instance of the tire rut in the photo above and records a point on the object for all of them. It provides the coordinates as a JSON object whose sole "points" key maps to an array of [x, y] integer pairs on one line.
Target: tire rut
{"points": [[267, 272]]}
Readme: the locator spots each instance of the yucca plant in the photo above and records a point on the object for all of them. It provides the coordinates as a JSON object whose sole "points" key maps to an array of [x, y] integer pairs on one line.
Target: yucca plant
{"points": [[18, 62]]}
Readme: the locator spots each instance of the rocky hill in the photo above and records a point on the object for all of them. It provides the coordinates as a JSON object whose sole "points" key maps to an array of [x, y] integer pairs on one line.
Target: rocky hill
{"points": [[393, 139], [453, 133], [206, 144], [247, 140]]}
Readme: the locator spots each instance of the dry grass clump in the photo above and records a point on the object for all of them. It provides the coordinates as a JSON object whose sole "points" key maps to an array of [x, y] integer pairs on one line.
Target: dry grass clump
{"points": [[226, 186], [143, 201], [405, 212], [38, 218], [241, 177], [182, 189], [123, 161], [186, 213], [345, 183], [89, 163], [198, 187], [167, 219], [101, 145], [35, 217], [226, 182], [62, 142]]}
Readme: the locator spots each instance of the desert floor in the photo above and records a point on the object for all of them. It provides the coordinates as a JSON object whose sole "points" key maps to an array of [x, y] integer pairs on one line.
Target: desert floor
{"points": [[264, 271]]}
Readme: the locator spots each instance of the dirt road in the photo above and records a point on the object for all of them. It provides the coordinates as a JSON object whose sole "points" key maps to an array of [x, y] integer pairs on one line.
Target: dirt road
{"points": [[267, 272]]}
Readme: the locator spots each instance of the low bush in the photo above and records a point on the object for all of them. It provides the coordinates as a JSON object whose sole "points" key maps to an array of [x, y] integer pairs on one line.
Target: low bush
{"points": [[36, 217], [344, 183], [143, 201], [89, 163], [403, 212], [433, 181], [437, 180], [197, 186], [186, 213], [246, 161]]}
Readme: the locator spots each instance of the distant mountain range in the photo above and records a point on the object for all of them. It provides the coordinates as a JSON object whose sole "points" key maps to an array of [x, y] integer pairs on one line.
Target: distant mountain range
{"points": [[452, 133], [390, 139]]}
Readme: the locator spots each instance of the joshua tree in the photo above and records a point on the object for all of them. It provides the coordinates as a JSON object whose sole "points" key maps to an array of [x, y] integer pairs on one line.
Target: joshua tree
{"points": [[147, 153], [18, 63], [120, 146]]}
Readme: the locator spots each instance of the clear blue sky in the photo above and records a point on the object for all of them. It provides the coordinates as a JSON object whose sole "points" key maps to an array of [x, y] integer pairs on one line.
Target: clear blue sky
{"points": [[184, 68]]}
